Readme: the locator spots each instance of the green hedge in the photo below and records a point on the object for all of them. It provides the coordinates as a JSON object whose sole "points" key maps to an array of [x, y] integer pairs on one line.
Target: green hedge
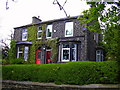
{"points": [[81, 72]]}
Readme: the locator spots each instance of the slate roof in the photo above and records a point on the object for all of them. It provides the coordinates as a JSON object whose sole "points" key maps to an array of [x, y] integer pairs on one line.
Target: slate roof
{"points": [[49, 21]]}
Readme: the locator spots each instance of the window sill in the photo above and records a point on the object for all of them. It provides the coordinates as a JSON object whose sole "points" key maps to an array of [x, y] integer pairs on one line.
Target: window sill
{"points": [[65, 60], [39, 38], [68, 35], [24, 39]]}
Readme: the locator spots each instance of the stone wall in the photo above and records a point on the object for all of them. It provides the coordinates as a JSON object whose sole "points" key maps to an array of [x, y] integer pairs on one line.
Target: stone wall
{"points": [[19, 85]]}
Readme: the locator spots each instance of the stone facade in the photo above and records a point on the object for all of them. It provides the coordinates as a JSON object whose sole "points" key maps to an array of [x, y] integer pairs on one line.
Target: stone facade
{"points": [[84, 41]]}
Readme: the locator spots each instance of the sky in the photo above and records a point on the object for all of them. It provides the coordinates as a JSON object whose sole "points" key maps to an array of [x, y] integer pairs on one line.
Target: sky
{"points": [[21, 12]]}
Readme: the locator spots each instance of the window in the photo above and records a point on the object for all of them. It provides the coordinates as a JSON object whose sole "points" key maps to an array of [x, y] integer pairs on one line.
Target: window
{"points": [[49, 31], [99, 55], [24, 34], [39, 55], [65, 52], [68, 29], [39, 33], [69, 52], [26, 53], [20, 52], [74, 49]]}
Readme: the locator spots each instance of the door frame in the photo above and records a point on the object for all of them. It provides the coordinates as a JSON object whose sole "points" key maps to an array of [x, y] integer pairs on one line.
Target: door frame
{"points": [[37, 59], [47, 62]]}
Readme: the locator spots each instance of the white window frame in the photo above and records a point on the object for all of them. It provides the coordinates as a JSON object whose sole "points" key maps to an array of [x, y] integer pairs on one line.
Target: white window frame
{"points": [[24, 33], [49, 27], [75, 48], [19, 52], [26, 49], [100, 55], [39, 31], [68, 26], [62, 54], [70, 52]]}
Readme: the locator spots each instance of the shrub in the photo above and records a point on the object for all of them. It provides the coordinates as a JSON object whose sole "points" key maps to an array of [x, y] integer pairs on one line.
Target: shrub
{"points": [[81, 72], [16, 61], [5, 62]]}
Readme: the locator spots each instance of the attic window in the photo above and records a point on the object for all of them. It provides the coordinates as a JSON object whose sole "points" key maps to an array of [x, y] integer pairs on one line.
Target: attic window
{"points": [[24, 34]]}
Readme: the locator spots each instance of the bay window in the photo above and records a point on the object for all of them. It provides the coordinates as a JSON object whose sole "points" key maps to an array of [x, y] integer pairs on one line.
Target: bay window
{"points": [[74, 52], [22, 52], [66, 52], [19, 52], [99, 55], [26, 53], [69, 52]]}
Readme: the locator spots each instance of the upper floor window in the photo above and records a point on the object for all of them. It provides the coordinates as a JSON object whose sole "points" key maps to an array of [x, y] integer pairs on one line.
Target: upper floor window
{"points": [[68, 29], [49, 31], [24, 34], [39, 33]]}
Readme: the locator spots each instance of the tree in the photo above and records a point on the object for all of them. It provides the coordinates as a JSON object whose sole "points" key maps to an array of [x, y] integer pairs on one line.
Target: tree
{"points": [[5, 45], [12, 50], [5, 49], [61, 6], [7, 2], [105, 20]]}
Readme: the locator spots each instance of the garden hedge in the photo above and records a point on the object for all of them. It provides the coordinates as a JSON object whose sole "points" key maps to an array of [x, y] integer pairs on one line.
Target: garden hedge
{"points": [[80, 72]]}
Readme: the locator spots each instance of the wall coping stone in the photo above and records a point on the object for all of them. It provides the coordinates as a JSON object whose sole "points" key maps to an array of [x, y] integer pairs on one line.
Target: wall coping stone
{"points": [[29, 84]]}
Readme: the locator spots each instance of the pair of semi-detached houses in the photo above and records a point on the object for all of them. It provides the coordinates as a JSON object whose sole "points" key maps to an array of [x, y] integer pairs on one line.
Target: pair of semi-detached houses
{"points": [[59, 40]]}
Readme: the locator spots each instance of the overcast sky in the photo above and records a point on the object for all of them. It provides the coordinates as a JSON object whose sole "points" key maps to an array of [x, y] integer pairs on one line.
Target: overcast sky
{"points": [[21, 12]]}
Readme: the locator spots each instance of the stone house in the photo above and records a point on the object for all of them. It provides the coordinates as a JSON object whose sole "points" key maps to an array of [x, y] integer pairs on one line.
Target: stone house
{"points": [[59, 40]]}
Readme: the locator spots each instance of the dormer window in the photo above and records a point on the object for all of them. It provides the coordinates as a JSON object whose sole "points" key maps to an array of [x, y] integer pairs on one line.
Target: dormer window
{"points": [[68, 29], [49, 31], [24, 34], [39, 33]]}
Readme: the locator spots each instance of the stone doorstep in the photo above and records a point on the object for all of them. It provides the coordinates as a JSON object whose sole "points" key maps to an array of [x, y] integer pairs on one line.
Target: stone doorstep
{"points": [[28, 83]]}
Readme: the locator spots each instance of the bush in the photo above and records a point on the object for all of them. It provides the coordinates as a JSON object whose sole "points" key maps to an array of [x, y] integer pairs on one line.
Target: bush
{"points": [[81, 72], [5, 62], [16, 61]]}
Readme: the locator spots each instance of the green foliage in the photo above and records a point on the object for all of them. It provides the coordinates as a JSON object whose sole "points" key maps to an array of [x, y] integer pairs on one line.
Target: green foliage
{"points": [[32, 36], [53, 43], [16, 61], [4, 61], [13, 61], [109, 19], [12, 50], [97, 16], [64, 73]]}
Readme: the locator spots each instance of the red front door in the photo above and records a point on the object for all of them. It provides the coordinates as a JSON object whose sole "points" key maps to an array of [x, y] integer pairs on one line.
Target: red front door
{"points": [[48, 57], [38, 56]]}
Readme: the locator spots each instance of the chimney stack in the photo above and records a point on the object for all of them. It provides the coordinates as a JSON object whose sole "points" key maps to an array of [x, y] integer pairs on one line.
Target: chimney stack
{"points": [[36, 20]]}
